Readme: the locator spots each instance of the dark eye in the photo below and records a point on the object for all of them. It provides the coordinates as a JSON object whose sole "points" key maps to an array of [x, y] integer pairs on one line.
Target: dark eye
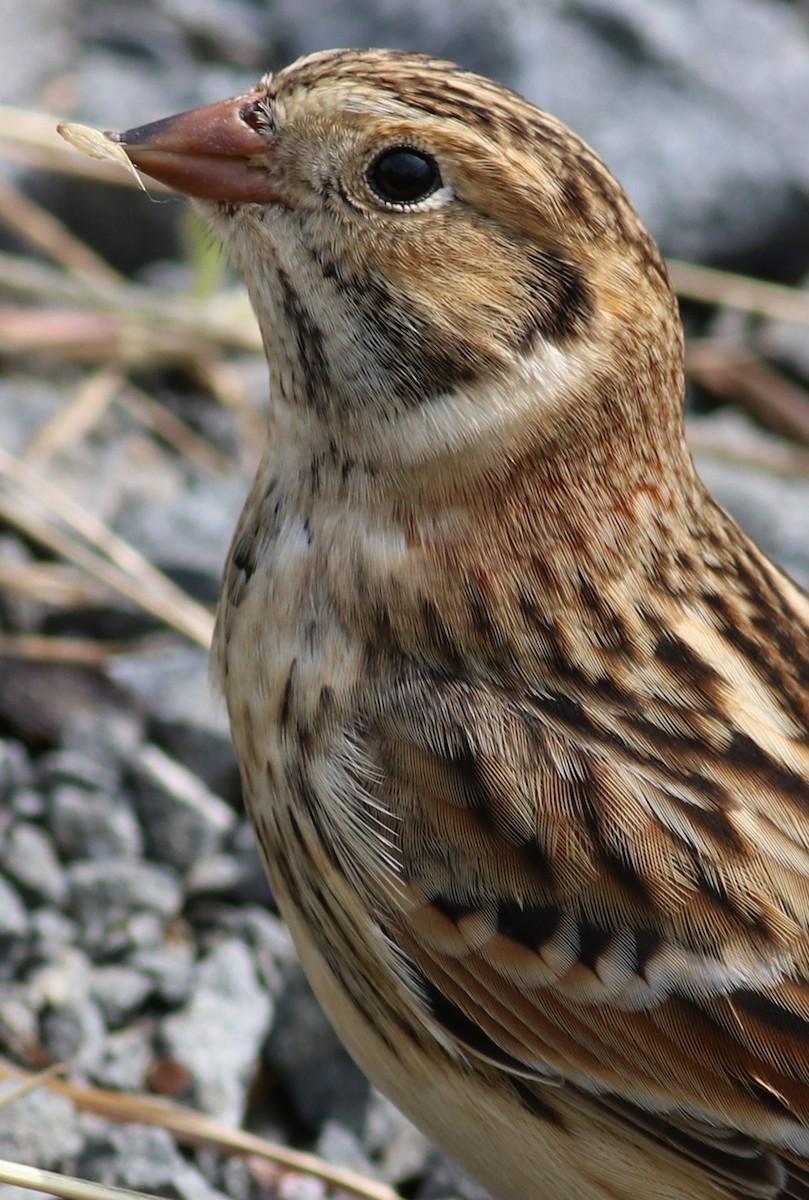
{"points": [[403, 175]]}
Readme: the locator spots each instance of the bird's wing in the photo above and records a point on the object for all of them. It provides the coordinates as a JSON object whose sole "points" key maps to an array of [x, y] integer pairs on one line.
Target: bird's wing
{"points": [[579, 909]]}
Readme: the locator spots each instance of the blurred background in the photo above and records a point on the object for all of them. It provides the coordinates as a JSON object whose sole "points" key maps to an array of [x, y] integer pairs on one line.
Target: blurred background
{"points": [[138, 942]]}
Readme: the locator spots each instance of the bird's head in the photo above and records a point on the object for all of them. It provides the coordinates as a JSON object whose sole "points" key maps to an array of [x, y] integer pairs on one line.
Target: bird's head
{"points": [[436, 265]]}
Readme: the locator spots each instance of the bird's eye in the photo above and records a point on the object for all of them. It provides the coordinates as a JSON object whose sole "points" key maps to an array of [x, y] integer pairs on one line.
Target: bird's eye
{"points": [[403, 175]]}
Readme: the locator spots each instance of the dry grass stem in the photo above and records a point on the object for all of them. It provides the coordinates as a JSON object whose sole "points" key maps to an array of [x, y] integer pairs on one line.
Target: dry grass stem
{"points": [[45, 233], [66, 1186], [147, 317], [30, 139], [24, 1086], [76, 417], [54, 584], [174, 432], [734, 373], [78, 652], [722, 288], [107, 557], [195, 1129]]}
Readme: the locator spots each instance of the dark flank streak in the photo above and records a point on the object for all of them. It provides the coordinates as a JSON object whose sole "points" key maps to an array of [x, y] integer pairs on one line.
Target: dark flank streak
{"points": [[746, 753], [625, 875], [611, 627], [439, 637], [713, 821], [684, 663], [241, 566], [287, 696], [647, 945]]}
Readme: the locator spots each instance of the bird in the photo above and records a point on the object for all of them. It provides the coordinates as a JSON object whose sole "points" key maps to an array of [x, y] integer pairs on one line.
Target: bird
{"points": [[521, 713]]}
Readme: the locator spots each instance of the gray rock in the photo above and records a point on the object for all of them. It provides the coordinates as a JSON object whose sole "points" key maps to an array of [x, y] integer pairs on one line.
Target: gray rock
{"points": [[50, 933], [10, 1192], [317, 1073], [93, 824], [142, 1157], [213, 875], [75, 1034], [40, 1129], [14, 921], [446, 1181], [183, 820], [15, 770], [188, 718], [170, 968], [27, 804], [27, 856], [25, 400], [218, 1035], [119, 990], [340, 1146], [104, 894], [191, 530], [74, 766], [300, 1187], [107, 741], [64, 980], [399, 1149], [268, 938], [19, 1027], [126, 1059]]}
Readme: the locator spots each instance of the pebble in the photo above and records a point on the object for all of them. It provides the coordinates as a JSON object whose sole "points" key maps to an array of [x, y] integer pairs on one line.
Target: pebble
{"points": [[184, 820], [127, 1056], [190, 721], [106, 893], [93, 824], [170, 968], [74, 1034], [399, 1149], [28, 858], [74, 766], [218, 1035], [15, 769], [119, 990], [50, 932], [320, 1078], [14, 920], [144, 1157], [40, 1129]]}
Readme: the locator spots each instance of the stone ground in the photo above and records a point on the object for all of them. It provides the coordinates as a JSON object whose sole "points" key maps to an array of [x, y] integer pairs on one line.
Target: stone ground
{"points": [[138, 942]]}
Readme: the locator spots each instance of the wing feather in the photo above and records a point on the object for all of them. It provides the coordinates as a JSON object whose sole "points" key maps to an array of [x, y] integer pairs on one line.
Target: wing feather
{"points": [[579, 914]]}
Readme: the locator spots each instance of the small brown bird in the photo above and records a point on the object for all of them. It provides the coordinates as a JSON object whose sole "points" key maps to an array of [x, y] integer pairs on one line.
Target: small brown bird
{"points": [[521, 713]]}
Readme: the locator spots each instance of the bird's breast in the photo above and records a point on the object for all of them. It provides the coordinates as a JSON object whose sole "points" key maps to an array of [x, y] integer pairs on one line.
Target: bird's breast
{"points": [[291, 651]]}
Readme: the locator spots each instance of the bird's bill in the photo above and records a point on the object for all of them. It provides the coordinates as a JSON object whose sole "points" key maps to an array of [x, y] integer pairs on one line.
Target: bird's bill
{"points": [[209, 152]]}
